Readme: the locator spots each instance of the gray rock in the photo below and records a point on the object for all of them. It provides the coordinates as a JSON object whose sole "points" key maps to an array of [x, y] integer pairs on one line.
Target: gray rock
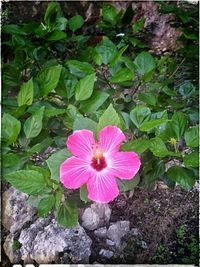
{"points": [[117, 230], [43, 242], [101, 232], [15, 211], [106, 253], [14, 256], [96, 216], [110, 242]]}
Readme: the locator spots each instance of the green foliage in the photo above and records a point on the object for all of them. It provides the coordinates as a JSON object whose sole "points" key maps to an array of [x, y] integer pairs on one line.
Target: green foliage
{"points": [[57, 79]]}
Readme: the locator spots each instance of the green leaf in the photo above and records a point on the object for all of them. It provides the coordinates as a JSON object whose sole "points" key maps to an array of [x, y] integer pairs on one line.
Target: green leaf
{"points": [[158, 147], [148, 125], [33, 125], [45, 206], [25, 95], [178, 124], [48, 79], [75, 23], [109, 117], [182, 176], [139, 115], [148, 98], [11, 128], [192, 136], [57, 35], [52, 112], [85, 123], [84, 194], [138, 25], [187, 89], [54, 162], [122, 75], [126, 185], [144, 63], [191, 160], [118, 56], [80, 69], [109, 13], [40, 146], [28, 181], [11, 162], [139, 146], [13, 29], [67, 214], [84, 87], [72, 114], [94, 102], [107, 50], [52, 9]]}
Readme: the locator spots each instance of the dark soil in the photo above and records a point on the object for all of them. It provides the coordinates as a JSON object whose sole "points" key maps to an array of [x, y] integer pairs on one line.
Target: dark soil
{"points": [[157, 215]]}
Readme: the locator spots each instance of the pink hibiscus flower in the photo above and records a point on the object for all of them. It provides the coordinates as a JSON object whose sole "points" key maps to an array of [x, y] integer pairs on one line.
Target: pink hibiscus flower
{"points": [[98, 163]]}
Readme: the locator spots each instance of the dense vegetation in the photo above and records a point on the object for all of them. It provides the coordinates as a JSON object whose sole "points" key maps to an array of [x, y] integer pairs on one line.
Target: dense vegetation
{"points": [[58, 78]]}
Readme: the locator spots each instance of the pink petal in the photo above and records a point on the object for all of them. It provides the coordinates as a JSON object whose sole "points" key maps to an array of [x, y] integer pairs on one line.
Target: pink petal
{"points": [[80, 143], [110, 139], [102, 187], [124, 165], [74, 172]]}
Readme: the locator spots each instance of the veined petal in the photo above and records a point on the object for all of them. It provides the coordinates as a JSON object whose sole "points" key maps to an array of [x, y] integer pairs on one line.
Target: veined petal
{"points": [[74, 172], [124, 165], [102, 187], [81, 144], [110, 139]]}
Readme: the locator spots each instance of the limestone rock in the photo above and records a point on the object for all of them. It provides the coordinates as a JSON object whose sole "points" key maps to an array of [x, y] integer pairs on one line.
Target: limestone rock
{"points": [[15, 211], [14, 256], [106, 253], [117, 230], [43, 242], [101, 232], [96, 216]]}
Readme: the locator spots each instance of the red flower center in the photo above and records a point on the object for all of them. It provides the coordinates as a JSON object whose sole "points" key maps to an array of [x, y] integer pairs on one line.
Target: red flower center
{"points": [[99, 163]]}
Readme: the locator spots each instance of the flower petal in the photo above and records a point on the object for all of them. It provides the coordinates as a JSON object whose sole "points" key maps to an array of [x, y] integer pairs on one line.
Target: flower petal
{"points": [[80, 143], [102, 187], [74, 172], [110, 139], [124, 165]]}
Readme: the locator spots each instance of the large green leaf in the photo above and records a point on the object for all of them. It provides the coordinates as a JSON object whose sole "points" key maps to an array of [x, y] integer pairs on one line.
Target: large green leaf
{"points": [[126, 185], [80, 69], [148, 98], [109, 117], [85, 123], [118, 56], [13, 29], [94, 102], [107, 50], [191, 160], [158, 147], [139, 146], [57, 35], [109, 13], [25, 95], [84, 87], [72, 114], [182, 176], [28, 181], [144, 63], [48, 79], [33, 125], [11, 162], [45, 205], [148, 125], [67, 214], [139, 115], [122, 75], [192, 136], [54, 162], [11, 128], [178, 124], [75, 23]]}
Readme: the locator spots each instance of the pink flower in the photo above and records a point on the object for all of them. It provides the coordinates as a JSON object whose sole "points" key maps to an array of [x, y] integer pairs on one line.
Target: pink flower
{"points": [[97, 164]]}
